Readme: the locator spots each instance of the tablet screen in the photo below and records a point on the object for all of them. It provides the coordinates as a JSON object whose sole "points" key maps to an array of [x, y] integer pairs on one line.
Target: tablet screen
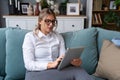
{"points": [[70, 54]]}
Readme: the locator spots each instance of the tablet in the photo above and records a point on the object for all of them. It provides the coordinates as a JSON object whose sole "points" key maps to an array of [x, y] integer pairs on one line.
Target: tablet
{"points": [[70, 54]]}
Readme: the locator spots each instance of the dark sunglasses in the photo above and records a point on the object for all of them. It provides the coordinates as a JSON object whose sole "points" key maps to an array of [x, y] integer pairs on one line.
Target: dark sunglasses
{"points": [[48, 21]]}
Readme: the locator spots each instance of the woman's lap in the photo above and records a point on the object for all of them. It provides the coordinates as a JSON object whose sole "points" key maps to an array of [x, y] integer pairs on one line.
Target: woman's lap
{"points": [[70, 73]]}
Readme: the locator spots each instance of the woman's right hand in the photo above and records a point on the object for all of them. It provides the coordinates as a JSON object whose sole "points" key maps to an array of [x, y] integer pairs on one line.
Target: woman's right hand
{"points": [[55, 63]]}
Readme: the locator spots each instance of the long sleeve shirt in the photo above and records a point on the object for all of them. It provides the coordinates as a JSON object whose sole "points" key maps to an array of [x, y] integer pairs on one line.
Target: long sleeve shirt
{"points": [[39, 50]]}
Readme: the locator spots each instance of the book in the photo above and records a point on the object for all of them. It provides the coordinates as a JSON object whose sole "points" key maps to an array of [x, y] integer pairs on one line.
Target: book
{"points": [[96, 18], [93, 20], [97, 5], [99, 17]]}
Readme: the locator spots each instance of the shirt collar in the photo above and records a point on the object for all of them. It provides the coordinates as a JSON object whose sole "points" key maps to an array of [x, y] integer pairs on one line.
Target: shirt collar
{"points": [[40, 34]]}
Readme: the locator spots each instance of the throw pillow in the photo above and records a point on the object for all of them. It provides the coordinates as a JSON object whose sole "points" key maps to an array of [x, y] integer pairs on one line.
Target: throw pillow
{"points": [[15, 69], [105, 34], [2, 51], [84, 38], [116, 41], [1, 78], [109, 61]]}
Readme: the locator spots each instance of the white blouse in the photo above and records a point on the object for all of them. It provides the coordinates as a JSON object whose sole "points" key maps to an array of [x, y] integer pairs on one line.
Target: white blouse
{"points": [[39, 50]]}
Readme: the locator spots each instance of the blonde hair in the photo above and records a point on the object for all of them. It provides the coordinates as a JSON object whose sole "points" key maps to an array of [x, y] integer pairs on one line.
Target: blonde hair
{"points": [[43, 13]]}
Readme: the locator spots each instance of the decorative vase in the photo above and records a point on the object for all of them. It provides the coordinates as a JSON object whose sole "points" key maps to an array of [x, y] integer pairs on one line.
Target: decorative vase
{"points": [[56, 9], [30, 10], [37, 11]]}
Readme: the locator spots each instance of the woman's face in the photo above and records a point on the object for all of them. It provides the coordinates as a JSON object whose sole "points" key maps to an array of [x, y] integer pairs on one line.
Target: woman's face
{"points": [[47, 24]]}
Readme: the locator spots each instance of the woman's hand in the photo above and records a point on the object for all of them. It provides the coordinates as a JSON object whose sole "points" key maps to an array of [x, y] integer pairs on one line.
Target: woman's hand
{"points": [[55, 63], [76, 62]]}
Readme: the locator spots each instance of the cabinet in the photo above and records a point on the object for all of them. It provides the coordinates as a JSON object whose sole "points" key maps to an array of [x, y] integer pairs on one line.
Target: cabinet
{"points": [[11, 20], [104, 11], [24, 22], [70, 23], [65, 23]]}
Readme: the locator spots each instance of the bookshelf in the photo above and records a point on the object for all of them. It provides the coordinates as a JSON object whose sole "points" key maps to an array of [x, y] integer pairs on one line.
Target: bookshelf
{"points": [[101, 9]]}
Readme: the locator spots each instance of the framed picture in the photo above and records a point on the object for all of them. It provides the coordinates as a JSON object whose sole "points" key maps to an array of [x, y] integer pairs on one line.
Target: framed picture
{"points": [[112, 6], [73, 8], [23, 8]]}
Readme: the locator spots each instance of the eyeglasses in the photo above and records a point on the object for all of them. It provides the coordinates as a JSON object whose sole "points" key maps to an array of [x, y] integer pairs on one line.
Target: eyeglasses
{"points": [[48, 21]]}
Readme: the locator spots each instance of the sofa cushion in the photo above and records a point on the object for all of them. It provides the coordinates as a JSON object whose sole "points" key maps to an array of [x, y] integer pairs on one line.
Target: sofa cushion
{"points": [[109, 62], [116, 41], [67, 38], [15, 69], [2, 51], [1, 78], [84, 38], [106, 34]]}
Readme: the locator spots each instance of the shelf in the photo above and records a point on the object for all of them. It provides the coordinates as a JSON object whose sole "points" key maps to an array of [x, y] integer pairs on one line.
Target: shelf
{"points": [[100, 11], [104, 9], [37, 16], [97, 24]]}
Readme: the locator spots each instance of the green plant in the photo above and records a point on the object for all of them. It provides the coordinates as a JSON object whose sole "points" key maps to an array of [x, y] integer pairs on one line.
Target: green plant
{"points": [[63, 7], [117, 2], [112, 17], [44, 4]]}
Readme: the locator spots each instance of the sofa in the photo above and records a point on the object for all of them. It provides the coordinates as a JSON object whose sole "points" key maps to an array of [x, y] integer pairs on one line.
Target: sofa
{"points": [[11, 57]]}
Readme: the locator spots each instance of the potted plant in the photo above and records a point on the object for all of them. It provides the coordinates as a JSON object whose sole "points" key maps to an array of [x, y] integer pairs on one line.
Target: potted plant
{"points": [[112, 16], [117, 3], [44, 4], [63, 6]]}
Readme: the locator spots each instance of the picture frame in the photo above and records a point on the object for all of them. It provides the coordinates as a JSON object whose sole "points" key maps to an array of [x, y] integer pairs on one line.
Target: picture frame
{"points": [[112, 6], [73, 9], [23, 8]]}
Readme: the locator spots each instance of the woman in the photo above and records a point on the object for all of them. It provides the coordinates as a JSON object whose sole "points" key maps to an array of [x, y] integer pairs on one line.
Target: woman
{"points": [[44, 48]]}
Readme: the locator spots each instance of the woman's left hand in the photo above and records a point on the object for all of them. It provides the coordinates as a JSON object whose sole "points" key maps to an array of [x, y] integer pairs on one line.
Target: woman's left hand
{"points": [[76, 62]]}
